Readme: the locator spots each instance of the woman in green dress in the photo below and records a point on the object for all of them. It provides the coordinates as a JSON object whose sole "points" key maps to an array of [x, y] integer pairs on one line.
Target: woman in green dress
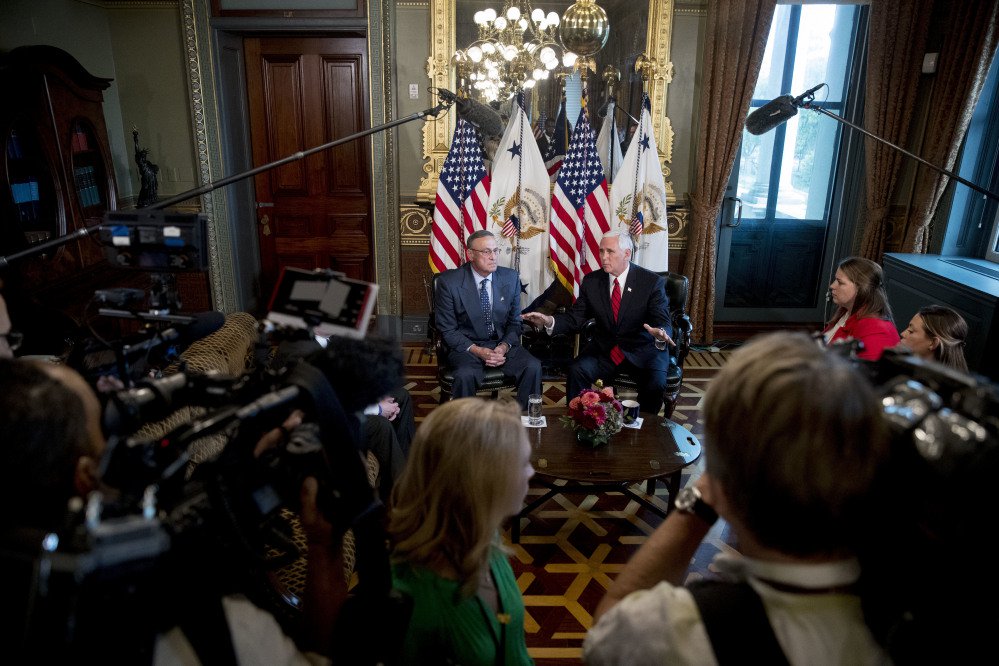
{"points": [[467, 472]]}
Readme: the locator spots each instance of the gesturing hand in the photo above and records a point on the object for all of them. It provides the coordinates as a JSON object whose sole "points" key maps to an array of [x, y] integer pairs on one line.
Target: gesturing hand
{"points": [[659, 335]]}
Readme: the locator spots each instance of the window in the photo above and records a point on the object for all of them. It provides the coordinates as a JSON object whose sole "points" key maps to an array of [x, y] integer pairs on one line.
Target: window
{"points": [[770, 259], [973, 224]]}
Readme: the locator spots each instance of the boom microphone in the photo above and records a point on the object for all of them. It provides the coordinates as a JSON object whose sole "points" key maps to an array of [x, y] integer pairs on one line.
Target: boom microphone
{"points": [[771, 114], [776, 111], [477, 113]]}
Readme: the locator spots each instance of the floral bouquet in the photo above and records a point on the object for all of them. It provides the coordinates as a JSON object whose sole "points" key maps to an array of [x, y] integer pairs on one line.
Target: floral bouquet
{"points": [[595, 415]]}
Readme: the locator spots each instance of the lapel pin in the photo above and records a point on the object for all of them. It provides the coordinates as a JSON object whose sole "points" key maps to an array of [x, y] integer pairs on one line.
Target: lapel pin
{"points": [[502, 298], [629, 288]]}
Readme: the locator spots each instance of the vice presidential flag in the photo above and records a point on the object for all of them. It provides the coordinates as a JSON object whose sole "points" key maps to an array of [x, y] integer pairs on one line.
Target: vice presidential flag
{"points": [[557, 144], [462, 195], [579, 209], [518, 204], [609, 143], [638, 197]]}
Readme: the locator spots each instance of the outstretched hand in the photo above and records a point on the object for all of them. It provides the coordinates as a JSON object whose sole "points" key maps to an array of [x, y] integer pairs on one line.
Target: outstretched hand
{"points": [[537, 320], [659, 335]]}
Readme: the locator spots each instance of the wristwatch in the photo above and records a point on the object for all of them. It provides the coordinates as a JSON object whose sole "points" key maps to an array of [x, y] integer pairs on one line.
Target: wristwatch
{"points": [[689, 500]]}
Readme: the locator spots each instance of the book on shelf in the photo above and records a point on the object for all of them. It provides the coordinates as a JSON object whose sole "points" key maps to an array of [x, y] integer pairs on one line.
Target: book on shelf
{"points": [[81, 141]]}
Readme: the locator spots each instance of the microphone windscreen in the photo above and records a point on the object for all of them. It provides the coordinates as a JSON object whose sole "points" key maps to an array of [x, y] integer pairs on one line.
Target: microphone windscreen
{"points": [[484, 117], [770, 115], [203, 324]]}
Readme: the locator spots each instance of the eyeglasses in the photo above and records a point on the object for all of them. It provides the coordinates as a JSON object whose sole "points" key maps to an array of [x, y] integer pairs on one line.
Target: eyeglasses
{"points": [[488, 251]]}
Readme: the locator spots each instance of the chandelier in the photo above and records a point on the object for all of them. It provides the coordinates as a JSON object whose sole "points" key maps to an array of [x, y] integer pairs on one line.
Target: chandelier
{"points": [[516, 48]]}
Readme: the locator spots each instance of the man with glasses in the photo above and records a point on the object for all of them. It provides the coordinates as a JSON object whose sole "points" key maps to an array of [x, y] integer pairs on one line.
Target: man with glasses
{"points": [[477, 310]]}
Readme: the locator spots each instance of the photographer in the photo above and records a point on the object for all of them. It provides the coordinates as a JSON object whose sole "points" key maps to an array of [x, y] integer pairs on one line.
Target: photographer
{"points": [[794, 446], [49, 427]]}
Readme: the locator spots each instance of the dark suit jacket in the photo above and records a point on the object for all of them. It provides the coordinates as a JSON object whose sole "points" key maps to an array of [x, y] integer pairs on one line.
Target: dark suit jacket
{"points": [[643, 301], [458, 313]]}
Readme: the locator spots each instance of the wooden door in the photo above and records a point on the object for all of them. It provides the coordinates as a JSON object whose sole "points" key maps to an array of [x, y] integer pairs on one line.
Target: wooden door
{"points": [[316, 212]]}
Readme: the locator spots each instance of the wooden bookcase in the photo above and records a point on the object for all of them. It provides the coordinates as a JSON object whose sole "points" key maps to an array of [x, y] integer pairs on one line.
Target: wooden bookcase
{"points": [[56, 178]]}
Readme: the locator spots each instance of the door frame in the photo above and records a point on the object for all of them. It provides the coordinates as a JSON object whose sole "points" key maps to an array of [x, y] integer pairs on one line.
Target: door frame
{"points": [[215, 97], [844, 209]]}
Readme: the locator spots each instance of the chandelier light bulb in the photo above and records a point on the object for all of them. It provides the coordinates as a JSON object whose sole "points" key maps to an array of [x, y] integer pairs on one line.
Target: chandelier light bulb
{"points": [[538, 15], [513, 13], [510, 53], [553, 18], [479, 18], [489, 15], [542, 24], [523, 23], [544, 74], [569, 59], [547, 54], [500, 23], [538, 74], [529, 83], [489, 48], [475, 53]]}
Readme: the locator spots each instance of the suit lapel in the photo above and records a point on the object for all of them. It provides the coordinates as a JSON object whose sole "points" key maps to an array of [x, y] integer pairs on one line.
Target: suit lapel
{"points": [[629, 294], [470, 298]]}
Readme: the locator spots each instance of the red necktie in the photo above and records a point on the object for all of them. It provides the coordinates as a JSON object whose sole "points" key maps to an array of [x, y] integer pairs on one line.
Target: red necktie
{"points": [[616, 354]]}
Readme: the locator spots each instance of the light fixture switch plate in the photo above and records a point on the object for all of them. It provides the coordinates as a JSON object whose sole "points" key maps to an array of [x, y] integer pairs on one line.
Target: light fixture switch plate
{"points": [[414, 91]]}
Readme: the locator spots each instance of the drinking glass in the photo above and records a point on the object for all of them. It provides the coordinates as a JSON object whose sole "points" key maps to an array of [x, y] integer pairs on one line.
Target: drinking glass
{"points": [[534, 409]]}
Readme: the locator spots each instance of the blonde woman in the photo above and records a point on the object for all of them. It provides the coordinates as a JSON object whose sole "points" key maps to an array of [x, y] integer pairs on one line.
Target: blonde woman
{"points": [[937, 333], [467, 472]]}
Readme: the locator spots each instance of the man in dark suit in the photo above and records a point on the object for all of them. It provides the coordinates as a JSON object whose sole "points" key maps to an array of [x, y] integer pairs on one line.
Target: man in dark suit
{"points": [[477, 310], [633, 327]]}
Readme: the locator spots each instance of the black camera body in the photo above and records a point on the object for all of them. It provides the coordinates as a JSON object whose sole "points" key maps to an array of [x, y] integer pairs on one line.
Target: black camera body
{"points": [[934, 514], [163, 540]]}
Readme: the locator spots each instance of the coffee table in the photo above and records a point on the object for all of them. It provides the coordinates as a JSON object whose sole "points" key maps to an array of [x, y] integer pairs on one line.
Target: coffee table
{"points": [[655, 451]]}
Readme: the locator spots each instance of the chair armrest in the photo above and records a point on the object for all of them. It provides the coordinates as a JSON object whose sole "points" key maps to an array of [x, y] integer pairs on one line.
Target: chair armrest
{"points": [[682, 327]]}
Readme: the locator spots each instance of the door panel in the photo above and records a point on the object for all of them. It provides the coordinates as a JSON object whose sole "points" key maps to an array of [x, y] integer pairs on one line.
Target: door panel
{"points": [[304, 92], [779, 222]]}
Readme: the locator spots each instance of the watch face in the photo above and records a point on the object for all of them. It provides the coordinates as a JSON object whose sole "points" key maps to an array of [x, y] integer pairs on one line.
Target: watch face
{"points": [[686, 498]]}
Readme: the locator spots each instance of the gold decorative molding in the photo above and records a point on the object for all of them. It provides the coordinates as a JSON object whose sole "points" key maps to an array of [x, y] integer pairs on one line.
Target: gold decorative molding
{"points": [[196, 34], [437, 133], [414, 225], [677, 221]]}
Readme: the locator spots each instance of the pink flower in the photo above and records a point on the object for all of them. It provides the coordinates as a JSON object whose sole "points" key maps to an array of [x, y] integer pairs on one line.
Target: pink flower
{"points": [[590, 398], [608, 390], [575, 403]]}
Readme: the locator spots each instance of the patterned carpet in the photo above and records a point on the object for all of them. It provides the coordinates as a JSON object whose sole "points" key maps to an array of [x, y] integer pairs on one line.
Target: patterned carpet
{"points": [[573, 546]]}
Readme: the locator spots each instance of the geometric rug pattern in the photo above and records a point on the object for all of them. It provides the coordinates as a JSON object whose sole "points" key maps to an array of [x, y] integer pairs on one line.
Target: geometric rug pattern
{"points": [[572, 546]]}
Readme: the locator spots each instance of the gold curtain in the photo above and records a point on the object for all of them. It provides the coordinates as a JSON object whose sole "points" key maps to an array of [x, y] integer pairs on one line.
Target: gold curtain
{"points": [[896, 42], [968, 48], [734, 42]]}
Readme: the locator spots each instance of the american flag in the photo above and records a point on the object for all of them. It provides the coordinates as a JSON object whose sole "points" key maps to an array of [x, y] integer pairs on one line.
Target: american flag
{"points": [[557, 144], [579, 216], [637, 226], [462, 194]]}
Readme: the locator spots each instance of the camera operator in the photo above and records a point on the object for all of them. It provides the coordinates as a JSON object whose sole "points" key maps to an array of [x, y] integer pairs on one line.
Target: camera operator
{"points": [[51, 440]]}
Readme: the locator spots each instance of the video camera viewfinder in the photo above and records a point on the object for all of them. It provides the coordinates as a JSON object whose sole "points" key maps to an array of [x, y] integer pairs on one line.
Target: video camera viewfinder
{"points": [[329, 302]]}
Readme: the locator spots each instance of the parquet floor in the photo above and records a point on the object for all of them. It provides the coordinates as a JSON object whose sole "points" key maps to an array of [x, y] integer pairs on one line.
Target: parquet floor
{"points": [[573, 546]]}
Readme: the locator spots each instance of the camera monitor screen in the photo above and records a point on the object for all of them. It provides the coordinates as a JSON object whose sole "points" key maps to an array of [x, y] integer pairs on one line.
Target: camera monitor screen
{"points": [[330, 302], [156, 240]]}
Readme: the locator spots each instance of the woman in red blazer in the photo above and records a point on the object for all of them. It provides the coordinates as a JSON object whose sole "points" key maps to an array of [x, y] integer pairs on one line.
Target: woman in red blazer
{"points": [[862, 311]]}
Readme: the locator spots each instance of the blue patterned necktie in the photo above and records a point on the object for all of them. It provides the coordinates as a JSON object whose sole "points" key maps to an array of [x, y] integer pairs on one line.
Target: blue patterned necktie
{"points": [[487, 309]]}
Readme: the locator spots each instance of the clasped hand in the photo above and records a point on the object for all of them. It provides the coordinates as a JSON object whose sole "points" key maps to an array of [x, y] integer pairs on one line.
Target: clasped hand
{"points": [[493, 358]]}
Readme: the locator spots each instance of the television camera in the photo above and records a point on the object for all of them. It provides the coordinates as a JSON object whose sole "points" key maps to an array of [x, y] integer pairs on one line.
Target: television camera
{"points": [[933, 513], [165, 539]]}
